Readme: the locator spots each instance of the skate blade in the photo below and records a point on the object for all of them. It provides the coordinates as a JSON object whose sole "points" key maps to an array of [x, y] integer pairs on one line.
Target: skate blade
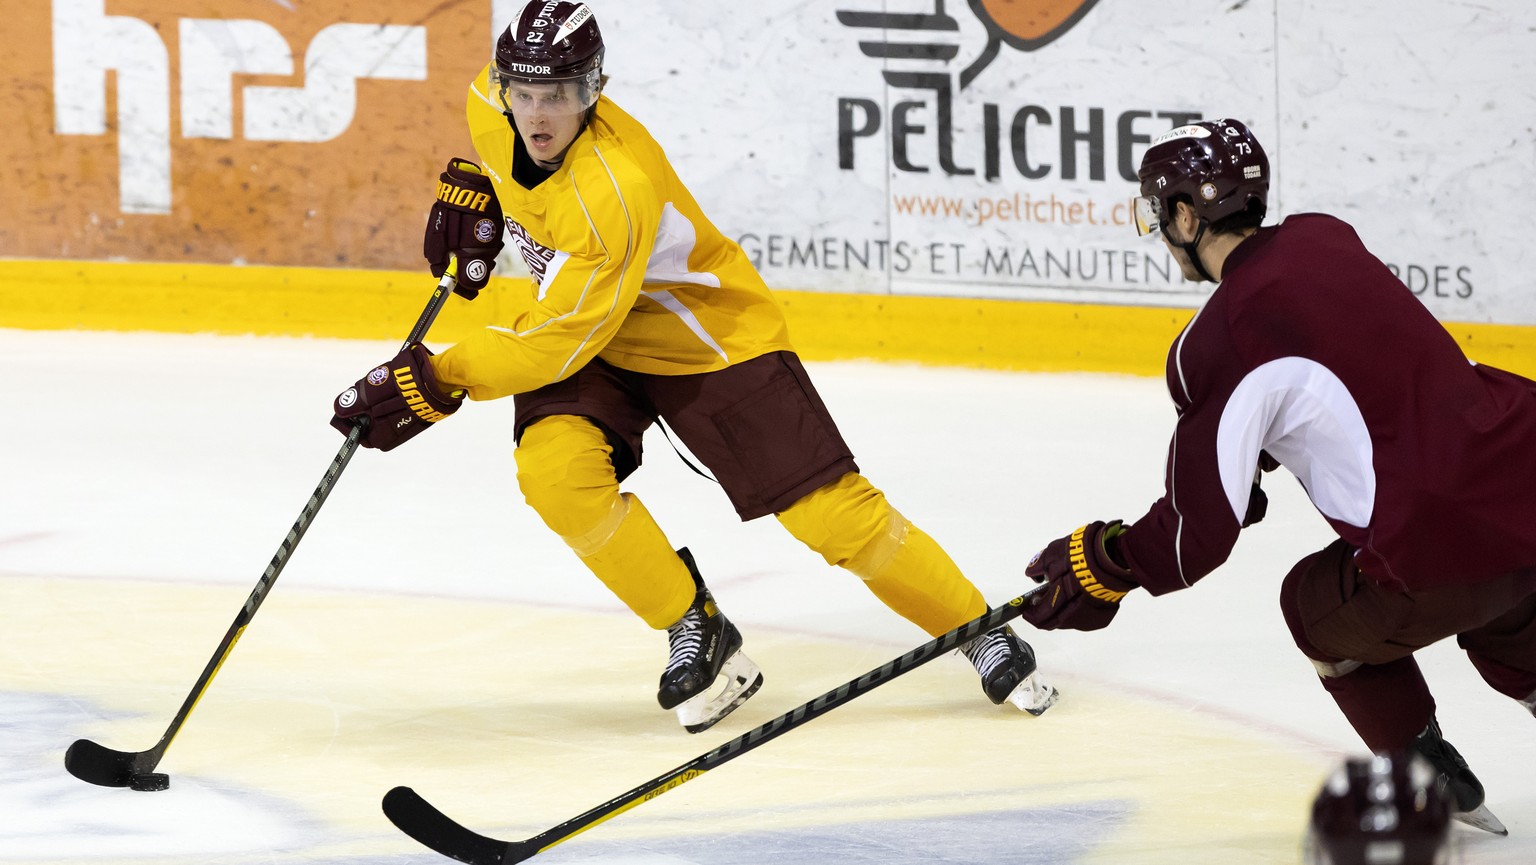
{"points": [[739, 679], [1481, 818], [1034, 695]]}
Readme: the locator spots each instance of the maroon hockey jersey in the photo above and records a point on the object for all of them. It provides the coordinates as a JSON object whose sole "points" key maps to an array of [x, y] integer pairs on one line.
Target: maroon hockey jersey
{"points": [[1310, 349]]}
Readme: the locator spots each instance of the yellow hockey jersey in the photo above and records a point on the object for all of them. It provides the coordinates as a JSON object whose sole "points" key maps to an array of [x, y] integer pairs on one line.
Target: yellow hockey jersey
{"points": [[625, 267]]}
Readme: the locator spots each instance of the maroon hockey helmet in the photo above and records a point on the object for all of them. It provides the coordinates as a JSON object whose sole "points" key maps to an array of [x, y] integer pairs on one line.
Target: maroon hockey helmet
{"points": [[1216, 164], [1380, 810], [551, 42]]}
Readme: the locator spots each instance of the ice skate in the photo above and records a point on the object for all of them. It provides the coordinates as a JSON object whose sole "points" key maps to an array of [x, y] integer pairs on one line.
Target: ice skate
{"points": [[1008, 671], [707, 675], [1462, 788]]}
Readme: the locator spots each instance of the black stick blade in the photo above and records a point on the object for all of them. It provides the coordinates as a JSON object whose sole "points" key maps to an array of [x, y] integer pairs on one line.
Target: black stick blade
{"points": [[417, 818], [104, 767]]}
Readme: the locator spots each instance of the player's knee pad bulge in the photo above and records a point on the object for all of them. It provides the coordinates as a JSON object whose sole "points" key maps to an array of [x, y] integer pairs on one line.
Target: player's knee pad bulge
{"points": [[566, 474]]}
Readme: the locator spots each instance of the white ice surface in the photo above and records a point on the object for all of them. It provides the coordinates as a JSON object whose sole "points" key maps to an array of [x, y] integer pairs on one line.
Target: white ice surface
{"points": [[146, 480]]}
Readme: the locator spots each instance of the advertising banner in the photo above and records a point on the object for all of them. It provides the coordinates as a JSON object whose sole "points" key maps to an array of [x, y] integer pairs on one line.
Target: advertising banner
{"points": [[251, 131], [991, 148], [987, 148], [968, 148]]}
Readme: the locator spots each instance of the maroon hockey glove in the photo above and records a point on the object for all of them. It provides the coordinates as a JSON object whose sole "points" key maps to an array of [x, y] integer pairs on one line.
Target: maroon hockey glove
{"points": [[466, 221], [399, 400], [1083, 581], [1258, 503], [1258, 506]]}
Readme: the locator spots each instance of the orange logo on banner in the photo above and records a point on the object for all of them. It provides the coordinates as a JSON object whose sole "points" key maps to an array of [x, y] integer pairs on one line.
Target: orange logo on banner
{"points": [[1030, 24], [927, 38], [232, 130]]}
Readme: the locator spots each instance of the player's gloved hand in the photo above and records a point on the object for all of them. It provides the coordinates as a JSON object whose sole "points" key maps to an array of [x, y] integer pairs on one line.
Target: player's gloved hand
{"points": [[1258, 503], [1083, 579], [466, 221], [398, 399], [1258, 506]]}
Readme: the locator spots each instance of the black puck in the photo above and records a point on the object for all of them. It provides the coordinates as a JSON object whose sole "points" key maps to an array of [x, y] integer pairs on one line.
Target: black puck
{"points": [[149, 782]]}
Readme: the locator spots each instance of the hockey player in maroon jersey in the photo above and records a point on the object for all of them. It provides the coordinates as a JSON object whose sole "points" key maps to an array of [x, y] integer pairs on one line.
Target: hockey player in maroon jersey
{"points": [[1386, 808], [639, 309], [1311, 355]]}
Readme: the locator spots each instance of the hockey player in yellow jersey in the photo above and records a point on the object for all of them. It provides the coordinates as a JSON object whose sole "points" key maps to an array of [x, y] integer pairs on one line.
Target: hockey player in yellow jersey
{"points": [[640, 309]]}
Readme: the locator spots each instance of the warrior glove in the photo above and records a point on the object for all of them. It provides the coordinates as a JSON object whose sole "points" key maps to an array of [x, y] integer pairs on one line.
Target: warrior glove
{"points": [[396, 400], [1083, 579], [465, 221]]}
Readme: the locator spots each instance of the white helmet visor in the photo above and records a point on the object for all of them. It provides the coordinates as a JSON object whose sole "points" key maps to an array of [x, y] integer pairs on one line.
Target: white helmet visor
{"points": [[1147, 214], [526, 95]]}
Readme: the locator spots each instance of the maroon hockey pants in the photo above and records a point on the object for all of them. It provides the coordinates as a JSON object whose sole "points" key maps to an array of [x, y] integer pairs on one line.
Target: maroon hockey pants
{"points": [[1337, 615]]}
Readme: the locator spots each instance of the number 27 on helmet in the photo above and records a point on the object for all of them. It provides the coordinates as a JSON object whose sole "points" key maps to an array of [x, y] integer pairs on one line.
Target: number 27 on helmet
{"points": [[549, 60]]}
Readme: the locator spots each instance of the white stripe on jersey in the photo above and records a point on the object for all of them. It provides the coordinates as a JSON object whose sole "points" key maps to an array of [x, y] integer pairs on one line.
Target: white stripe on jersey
{"points": [[676, 307], [473, 88], [1178, 355], [1303, 415], [1173, 502], [629, 251], [591, 277], [1173, 451], [675, 239]]}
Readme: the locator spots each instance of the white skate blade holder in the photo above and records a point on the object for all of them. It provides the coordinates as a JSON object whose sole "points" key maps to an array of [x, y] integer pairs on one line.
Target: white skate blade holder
{"points": [[739, 679], [1034, 695], [1481, 818]]}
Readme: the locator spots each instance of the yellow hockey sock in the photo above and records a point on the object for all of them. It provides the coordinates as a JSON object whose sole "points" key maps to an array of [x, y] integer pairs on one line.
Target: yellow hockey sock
{"points": [[850, 523], [639, 566], [566, 474]]}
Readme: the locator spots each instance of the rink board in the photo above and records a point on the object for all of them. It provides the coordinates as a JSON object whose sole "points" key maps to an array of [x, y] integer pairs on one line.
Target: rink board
{"points": [[363, 304]]}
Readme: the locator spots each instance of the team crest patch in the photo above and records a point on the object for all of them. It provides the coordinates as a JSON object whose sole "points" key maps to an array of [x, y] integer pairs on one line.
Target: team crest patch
{"points": [[378, 376], [1208, 191], [535, 255], [485, 231], [348, 398]]}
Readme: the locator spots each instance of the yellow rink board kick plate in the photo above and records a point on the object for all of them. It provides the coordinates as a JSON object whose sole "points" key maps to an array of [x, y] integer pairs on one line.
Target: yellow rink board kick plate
{"points": [[368, 304], [511, 725]]}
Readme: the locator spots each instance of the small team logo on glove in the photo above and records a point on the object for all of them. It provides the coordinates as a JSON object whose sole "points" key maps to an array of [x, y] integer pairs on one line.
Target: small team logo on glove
{"points": [[485, 230], [475, 270], [394, 401]]}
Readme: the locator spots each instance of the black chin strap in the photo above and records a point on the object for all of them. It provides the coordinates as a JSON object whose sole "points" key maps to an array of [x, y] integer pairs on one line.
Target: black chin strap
{"points": [[1193, 253]]}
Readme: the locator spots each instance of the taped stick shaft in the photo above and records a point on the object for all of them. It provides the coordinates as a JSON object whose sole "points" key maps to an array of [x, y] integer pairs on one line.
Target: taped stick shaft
{"points": [[418, 818], [97, 764]]}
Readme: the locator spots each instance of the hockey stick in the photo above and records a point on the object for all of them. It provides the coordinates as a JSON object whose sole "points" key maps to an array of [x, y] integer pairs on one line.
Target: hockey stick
{"points": [[417, 818], [101, 765]]}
